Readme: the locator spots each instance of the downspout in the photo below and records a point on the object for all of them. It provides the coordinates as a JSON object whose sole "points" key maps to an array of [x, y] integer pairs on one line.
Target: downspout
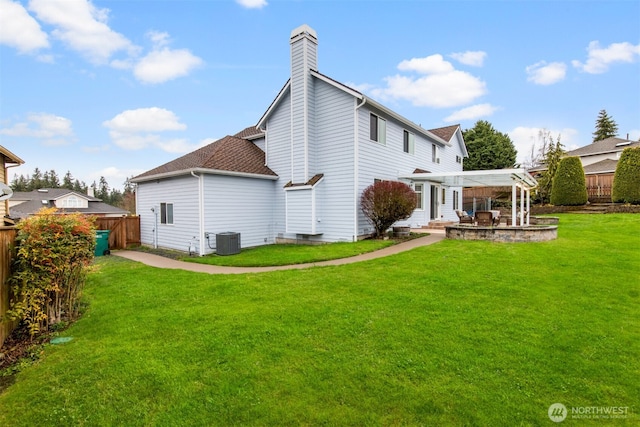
{"points": [[200, 212], [356, 130]]}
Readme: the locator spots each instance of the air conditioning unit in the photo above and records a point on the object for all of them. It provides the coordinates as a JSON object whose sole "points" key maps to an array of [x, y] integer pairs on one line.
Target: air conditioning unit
{"points": [[227, 243]]}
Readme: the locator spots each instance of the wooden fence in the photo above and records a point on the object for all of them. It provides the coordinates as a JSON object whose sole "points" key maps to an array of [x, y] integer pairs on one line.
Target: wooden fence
{"points": [[599, 188], [125, 230], [7, 239]]}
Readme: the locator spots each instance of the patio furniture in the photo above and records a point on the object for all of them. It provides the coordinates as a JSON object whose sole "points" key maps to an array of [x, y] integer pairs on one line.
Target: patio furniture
{"points": [[464, 217], [488, 218]]}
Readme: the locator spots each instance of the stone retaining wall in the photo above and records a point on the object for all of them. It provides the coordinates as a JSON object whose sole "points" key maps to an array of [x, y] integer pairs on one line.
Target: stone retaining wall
{"points": [[503, 234]]}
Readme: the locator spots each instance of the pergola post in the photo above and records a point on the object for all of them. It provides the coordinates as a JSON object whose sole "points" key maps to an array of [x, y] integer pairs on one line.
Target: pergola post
{"points": [[514, 201], [528, 204], [522, 205]]}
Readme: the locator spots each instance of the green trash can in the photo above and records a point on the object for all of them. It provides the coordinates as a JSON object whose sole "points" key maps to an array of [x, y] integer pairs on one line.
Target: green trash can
{"points": [[102, 242]]}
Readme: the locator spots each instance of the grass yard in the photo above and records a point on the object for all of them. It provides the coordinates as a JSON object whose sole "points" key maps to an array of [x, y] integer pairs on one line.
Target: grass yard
{"points": [[269, 255], [457, 333]]}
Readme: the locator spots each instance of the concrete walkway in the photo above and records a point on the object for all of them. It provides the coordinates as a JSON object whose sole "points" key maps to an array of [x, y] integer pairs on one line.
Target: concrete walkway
{"points": [[163, 262]]}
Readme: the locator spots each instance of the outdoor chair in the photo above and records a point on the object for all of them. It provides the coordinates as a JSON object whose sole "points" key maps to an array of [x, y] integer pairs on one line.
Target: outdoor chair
{"points": [[488, 218], [464, 217]]}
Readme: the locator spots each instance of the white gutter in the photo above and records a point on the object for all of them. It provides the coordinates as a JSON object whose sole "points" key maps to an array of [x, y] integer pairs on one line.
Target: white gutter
{"points": [[356, 130], [200, 212], [202, 171]]}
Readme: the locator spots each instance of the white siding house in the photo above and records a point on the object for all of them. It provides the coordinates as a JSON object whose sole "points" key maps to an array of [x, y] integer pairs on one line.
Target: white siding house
{"points": [[299, 173]]}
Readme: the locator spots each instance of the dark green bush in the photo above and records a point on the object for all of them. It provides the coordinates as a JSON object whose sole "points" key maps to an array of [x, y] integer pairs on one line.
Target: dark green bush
{"points": [[626, 181], [569, 187]]}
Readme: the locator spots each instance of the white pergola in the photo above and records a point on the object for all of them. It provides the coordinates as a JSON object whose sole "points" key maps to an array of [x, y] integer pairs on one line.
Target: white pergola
{"points": [[515, 178]]}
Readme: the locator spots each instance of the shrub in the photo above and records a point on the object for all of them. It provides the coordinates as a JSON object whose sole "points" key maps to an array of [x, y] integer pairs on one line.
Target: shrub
{"points": [[386, 202], [52, 257], [569, 187], [626, 181]]}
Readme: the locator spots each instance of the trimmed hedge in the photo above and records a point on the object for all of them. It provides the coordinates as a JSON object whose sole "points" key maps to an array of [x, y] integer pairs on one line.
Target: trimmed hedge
{"points": [[626, 181], [569, 187]]}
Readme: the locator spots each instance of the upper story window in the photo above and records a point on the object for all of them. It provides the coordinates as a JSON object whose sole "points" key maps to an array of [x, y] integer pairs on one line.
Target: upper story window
{"points": [[166, 213], [71, 202], [458, 159], [409, 142], [377, 129], [435, 155]]}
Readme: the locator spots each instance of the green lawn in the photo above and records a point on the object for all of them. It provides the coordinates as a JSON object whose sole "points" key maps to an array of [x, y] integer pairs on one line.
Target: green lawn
{"points": [[456, 333], [269, 255]]}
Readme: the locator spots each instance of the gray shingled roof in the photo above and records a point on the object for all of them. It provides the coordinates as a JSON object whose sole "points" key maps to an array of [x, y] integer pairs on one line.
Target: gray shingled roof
{"points": [[609, 145], [231, 153], [603, 166], [33, 202]]}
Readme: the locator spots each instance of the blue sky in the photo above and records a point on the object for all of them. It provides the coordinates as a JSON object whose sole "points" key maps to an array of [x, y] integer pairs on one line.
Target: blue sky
{"points": [[114, 88]]}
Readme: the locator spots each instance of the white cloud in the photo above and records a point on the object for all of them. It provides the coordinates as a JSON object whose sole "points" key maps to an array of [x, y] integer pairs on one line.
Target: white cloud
{"points": [[252, 4], [599, 59], [83, 27], [51, 129], [165, 64], [158, 38], [443, 86], [152, 119], [143, 128], [473, 58], [433, 64], [524, 138], [471, 113], [19, 29], [542, 73]]}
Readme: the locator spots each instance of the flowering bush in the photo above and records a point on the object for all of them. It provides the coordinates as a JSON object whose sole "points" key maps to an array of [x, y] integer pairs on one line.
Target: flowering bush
{"points": [[52, 257]]}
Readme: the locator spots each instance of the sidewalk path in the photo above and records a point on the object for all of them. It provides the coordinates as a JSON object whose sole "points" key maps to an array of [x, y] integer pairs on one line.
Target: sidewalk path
{"points": [[163, 262]]}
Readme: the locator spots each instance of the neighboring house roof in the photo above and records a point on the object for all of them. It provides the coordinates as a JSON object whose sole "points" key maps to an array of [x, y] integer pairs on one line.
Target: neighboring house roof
{"points": [[231, 154], [609, 145], [603, 166], [33, 201], [10, 157]]}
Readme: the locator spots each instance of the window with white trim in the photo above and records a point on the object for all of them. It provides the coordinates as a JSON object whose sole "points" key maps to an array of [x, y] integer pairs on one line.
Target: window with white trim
{"points": [[71, 202], [456, 202], [377, 129], [166, 213], [419, 190], [409, 141], [435, 158]]}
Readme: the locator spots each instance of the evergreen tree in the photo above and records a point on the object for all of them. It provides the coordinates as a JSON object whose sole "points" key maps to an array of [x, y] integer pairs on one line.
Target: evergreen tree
{"points": [[67, 181], [626, 181], [488, 148], [606, 127], [36, 181], [569, 187], [102, 190]]}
